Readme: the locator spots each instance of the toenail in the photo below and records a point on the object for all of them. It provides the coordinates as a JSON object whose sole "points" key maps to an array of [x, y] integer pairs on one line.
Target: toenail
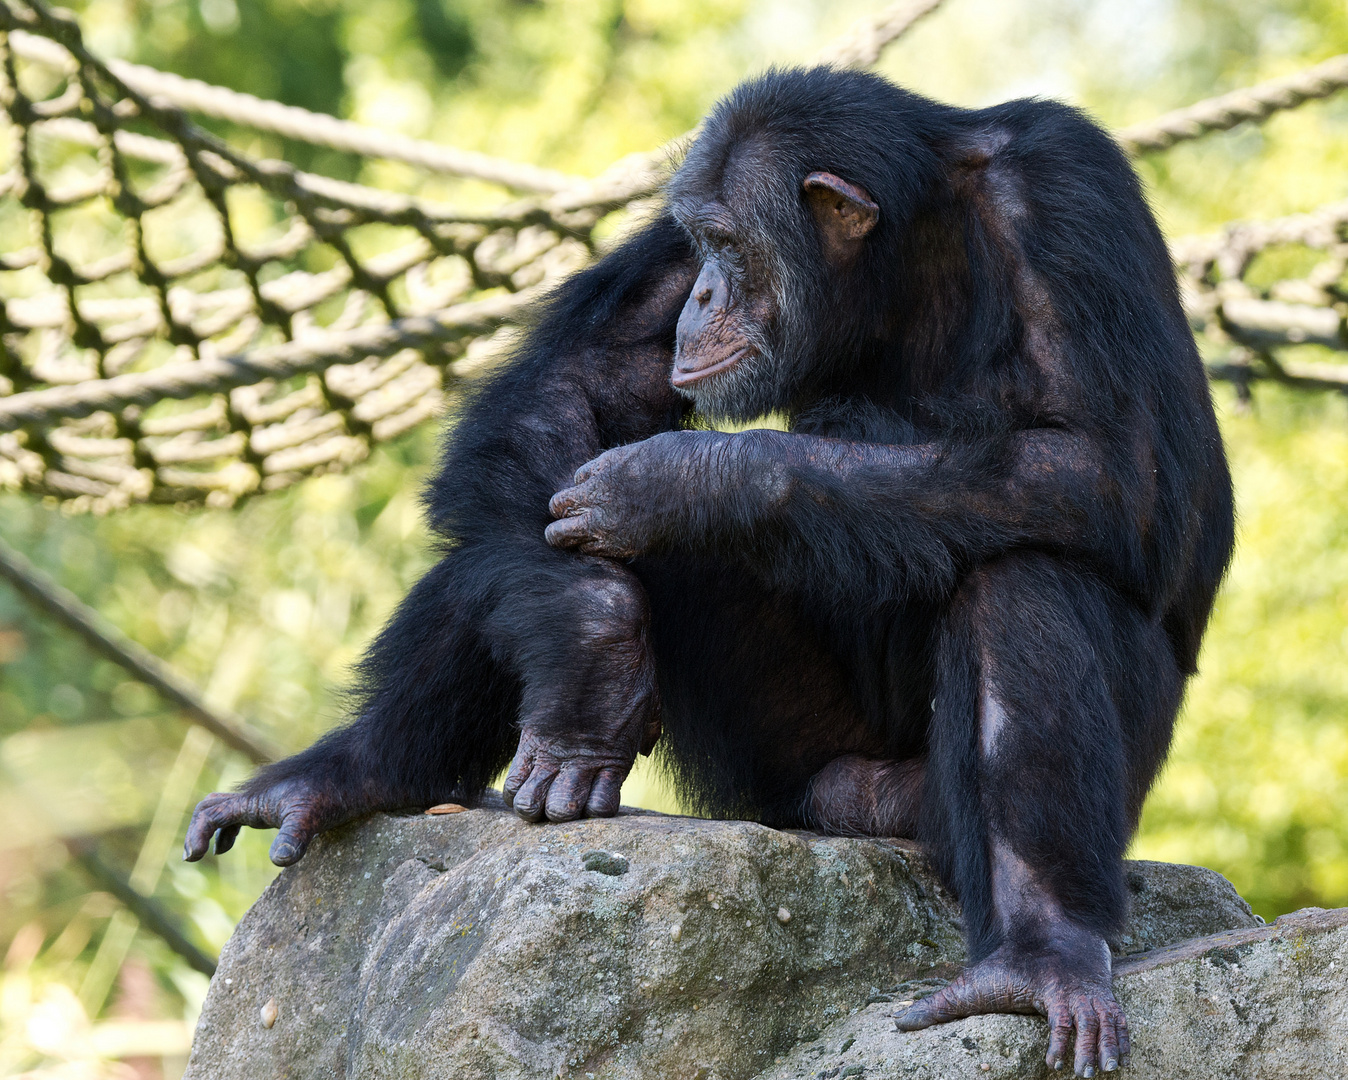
{"points": [[1111, 1065], [1088, 1072]]}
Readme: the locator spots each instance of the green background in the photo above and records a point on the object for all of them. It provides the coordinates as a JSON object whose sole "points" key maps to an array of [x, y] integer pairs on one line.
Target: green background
{"points": [[267, 606]]}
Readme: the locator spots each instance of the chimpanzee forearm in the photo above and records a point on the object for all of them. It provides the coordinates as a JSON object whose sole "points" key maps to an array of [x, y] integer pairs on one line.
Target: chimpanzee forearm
{"points": [[878, 520], [593, 374], [910, 518], [569, 631]]}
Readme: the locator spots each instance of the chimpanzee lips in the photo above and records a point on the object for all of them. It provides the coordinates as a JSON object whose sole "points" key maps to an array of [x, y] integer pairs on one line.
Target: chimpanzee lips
{"points": [[682, 376]]}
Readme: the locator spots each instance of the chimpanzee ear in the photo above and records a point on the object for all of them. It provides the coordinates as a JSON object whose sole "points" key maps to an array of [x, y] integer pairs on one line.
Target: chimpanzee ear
{"points": [[844, 211]]}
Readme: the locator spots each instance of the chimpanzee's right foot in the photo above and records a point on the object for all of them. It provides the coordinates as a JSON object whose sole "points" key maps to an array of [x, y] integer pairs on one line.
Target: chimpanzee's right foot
{"points": [[1071, 986]]}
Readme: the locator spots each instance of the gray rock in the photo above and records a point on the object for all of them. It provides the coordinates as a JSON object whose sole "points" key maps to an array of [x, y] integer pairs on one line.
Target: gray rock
{"points": [[1170, 903], [1268, 1003], [476, 945]]}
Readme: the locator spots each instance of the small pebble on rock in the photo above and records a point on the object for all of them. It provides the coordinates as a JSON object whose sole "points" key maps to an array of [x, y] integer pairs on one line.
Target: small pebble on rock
{"points": [[783, 916], [270, 1012], [446, 808]]}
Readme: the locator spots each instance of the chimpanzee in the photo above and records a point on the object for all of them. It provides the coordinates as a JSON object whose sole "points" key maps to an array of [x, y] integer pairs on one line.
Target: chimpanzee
{"points": [[957, 600]]}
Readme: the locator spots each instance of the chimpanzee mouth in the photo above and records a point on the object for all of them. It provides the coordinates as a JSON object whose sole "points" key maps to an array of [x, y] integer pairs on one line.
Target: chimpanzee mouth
{"points": [[682, 377]]}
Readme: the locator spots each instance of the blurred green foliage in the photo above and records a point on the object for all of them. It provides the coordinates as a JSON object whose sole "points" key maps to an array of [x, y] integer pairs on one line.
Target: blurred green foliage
{"points": [[267, 606]]}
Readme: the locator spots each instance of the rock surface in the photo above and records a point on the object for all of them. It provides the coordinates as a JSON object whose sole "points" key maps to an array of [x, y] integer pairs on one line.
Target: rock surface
{"points": [[475, 945]]}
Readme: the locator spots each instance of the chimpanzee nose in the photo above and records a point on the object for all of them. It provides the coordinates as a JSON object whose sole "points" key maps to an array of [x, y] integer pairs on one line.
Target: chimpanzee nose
{"points": [[704, 296]]}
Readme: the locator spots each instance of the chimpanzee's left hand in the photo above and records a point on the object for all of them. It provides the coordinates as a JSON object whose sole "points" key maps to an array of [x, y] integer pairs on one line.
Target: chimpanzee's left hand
{"points": [[635, 498]]}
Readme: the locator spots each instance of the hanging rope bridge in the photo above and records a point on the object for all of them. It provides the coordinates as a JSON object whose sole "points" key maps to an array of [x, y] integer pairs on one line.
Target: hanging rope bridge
{"points": [[183, 323]]}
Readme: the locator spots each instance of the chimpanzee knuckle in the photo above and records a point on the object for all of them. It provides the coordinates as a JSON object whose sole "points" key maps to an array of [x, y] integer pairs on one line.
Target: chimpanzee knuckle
{"points": [[516, 779], [199, 832], [561, 503], [568, 532], [531, 799], [517, 776], [291, 844], [606, 793], [567, 797], [527, 805]]}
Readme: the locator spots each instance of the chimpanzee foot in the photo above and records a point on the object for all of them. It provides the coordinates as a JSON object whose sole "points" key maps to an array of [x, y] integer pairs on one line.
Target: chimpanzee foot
{"points": [[561, 781], [294, 806], [1044, 984]]}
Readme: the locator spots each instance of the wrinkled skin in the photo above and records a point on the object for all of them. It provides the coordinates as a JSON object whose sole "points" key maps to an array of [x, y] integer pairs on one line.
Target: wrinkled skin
{"points": [[635, 499], [564, 770], [296, 807], [1069, 983]]}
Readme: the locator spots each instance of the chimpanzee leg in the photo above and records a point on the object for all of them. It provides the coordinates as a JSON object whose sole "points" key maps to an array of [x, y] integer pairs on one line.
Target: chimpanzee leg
{"points": [[1054, 704], [436, 722], [755, 698]]}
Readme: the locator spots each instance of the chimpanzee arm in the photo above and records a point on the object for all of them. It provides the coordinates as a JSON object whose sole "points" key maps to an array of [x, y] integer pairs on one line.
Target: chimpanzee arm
{"points": [[572, 630], [507, 638], [861, 518]]}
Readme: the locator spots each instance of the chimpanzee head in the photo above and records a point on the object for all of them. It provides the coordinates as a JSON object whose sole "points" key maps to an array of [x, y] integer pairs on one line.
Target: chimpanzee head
{"points": [[793, 196]]}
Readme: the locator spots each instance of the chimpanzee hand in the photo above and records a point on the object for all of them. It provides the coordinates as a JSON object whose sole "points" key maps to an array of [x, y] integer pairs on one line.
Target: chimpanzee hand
{"points": [[294, 805], [633, 498], [592, 709]]}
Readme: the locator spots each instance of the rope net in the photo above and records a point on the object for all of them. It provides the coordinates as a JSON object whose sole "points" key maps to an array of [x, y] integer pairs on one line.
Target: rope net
{"points": [[180, 323]]}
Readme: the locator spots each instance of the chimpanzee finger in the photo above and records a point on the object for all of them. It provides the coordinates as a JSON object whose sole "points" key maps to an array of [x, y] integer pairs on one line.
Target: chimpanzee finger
{"points": [[211, 813], [1059, 1034], [531, 799], [1088, 1039], [1109, 1039], [566, 500], [1125, 1040], [293, 839], [520, 768], [224, 839], [566, 797], [570, 532], [605, 794]]}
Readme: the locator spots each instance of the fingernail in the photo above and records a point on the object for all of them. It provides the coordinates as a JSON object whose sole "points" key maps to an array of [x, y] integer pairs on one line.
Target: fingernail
{"points": [[1111, 1065], [1057, 1065], [1088, 1072]]}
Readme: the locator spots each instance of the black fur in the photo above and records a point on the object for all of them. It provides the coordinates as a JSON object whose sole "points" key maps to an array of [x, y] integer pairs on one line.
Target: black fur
{"points": [[1058, 535]]}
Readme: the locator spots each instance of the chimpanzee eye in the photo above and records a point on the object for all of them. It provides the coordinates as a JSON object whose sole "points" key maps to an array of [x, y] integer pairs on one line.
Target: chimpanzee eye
{"points": [[718, 239], [730, 253]]}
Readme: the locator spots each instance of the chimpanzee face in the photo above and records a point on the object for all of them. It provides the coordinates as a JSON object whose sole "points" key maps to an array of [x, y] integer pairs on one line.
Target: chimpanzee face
{"points": [[727, 357], [750, 330]]}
